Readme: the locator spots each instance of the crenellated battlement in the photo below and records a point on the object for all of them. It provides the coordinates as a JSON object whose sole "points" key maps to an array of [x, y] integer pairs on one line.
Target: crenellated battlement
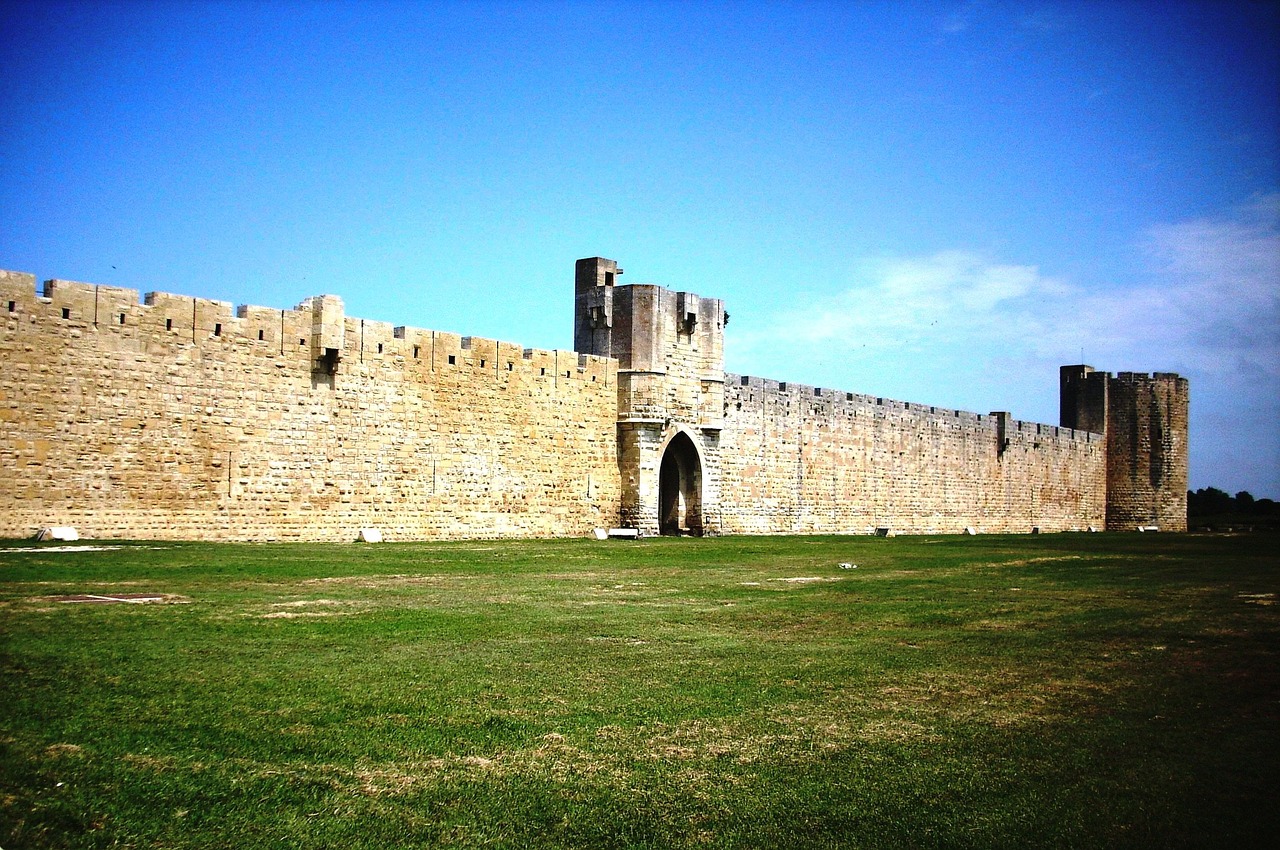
{"points": [[804, 400], [172, 416], [801, 458], [181, 417], [1149, 377], [298, 334]]}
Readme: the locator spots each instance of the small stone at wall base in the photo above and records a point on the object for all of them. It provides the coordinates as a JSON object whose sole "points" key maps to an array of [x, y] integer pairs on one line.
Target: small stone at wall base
{"points": [[370, 535], [600, 534], [58, 532], [624, 533], [1148, 528], [969, 530], [884, 531]]}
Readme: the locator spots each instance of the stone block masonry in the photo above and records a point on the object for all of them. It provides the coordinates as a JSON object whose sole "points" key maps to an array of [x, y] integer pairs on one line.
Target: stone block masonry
{"points": [[1147, 451], [178, 417], [1145, 420], [797, 458], [669, 347], [181, 418]]}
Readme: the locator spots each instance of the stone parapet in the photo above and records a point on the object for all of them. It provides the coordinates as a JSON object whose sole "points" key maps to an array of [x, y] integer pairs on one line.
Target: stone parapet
{"points": [[797, 458], [179, 417]]}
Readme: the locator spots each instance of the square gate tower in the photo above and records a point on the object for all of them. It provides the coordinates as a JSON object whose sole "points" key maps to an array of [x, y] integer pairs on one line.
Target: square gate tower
{"points": [[670, 351]]}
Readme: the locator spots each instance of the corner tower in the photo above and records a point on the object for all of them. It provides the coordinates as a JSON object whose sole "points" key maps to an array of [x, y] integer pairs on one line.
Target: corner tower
{"points": [[1144, 417], [670, 351], [1147, 451]]}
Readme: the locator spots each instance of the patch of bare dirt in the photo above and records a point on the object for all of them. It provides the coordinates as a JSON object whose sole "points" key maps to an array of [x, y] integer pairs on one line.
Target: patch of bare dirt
{"points": [[391, 580], [159, 764], [63, 750], [122, 598]]}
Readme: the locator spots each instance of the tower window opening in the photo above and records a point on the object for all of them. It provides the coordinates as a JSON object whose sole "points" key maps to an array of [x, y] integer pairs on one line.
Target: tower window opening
{"points": [[66, 312]]}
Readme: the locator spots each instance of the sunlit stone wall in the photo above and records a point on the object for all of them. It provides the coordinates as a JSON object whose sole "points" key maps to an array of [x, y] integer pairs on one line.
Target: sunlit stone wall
{"points": [[181, 418]]}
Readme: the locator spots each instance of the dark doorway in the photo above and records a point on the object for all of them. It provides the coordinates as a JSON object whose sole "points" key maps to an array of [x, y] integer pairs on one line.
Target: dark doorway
{"points": [[680, 488]]}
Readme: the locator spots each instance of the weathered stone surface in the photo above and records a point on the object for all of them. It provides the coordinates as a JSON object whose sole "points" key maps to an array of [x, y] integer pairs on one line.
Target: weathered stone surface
{"points": [[179, 418], [1147, 451], [797, 458]]}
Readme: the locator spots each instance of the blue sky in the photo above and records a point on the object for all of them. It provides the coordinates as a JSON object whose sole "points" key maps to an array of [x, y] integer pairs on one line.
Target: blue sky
{"points": [[936, 202]]}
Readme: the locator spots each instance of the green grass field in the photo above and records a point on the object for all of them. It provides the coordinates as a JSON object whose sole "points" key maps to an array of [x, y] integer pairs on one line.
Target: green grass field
{"points": [[1035, 691]]}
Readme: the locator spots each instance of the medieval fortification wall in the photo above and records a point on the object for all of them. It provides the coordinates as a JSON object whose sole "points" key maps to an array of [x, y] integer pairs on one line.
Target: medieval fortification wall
{"points": [[178, 417], [797, 458], [1145, 419]]}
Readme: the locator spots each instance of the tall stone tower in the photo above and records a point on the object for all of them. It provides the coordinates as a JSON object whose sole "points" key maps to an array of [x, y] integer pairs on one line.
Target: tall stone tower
{"points": [[1144, 418], [1082, 396], [1147, 450], [670, 351]]}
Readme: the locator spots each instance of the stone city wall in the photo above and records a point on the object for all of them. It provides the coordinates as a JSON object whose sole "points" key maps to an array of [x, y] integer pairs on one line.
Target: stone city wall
{"points": [[796, 458], [179, 418]]}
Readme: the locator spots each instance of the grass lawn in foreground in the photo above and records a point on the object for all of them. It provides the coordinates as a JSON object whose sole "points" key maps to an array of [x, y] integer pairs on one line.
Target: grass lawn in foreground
{"points": [[1033, 691]]}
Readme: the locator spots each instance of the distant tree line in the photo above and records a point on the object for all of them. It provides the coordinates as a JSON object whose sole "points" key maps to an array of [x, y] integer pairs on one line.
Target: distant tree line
{"points": [[1212, 502]]}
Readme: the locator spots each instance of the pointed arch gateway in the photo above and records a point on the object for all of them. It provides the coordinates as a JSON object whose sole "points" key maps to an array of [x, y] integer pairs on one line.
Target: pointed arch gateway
{"points": [[680, 488]]}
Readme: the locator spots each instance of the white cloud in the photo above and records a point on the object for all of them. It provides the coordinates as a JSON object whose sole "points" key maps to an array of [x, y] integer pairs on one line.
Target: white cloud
{"points": [[1222, 280], [960, 328], [1212, 301], [910, 305]]}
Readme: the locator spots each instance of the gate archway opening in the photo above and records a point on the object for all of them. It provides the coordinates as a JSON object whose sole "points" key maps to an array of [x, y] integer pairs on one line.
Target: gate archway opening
{"points": [[680, 488]]}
